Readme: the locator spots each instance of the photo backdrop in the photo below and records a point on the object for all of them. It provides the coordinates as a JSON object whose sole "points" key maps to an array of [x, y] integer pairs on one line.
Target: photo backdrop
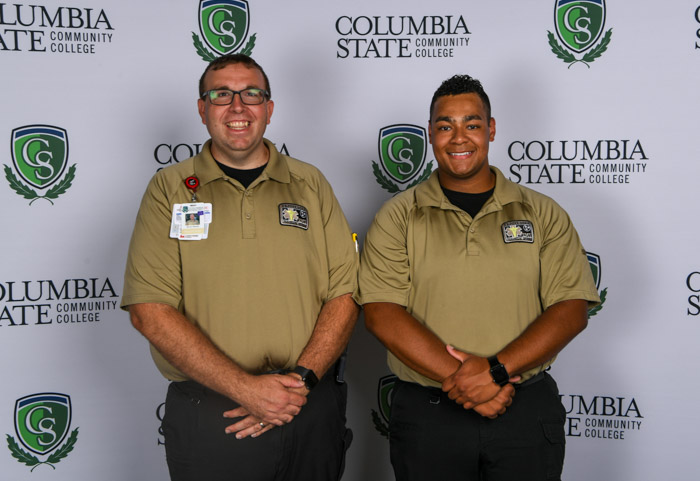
{"points": [[596, 104]]}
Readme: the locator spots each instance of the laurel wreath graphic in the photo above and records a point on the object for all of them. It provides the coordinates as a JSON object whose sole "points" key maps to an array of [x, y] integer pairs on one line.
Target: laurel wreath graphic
{"points": [[30, 460], [589, 57], [603, 294], [379, 424], [248, 49], [29, 193], [208, 56], [392, 188]]}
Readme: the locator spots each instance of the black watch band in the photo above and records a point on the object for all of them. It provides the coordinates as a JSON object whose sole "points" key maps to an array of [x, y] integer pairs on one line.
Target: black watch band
{"points": [[498, 371], [307, 375]]}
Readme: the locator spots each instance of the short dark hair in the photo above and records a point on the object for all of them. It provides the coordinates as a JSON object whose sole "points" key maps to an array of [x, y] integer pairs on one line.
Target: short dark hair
{"points": [[461, 84], [232, 59]]}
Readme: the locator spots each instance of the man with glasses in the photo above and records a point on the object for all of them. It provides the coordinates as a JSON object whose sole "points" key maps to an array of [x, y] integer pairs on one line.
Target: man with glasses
{"points": [[248, 313]]}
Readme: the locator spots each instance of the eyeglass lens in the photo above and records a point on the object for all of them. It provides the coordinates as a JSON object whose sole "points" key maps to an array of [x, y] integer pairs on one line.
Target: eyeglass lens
{"points": [[226, 96]]}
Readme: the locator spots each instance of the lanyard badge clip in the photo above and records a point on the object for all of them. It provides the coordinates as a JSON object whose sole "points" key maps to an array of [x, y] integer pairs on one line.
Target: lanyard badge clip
{"points": [[192, 183]]}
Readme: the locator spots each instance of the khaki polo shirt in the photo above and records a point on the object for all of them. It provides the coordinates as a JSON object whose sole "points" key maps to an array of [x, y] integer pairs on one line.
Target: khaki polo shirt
{"points": [[476, 283], [256, 285]]}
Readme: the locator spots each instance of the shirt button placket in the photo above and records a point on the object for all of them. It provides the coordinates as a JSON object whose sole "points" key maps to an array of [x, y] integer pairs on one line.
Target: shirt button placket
{"points": [[472, 244], [248, 220]]}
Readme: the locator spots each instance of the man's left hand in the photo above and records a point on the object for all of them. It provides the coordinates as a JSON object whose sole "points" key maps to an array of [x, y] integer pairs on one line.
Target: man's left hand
{"points": [[471, 384], [248, 426]]}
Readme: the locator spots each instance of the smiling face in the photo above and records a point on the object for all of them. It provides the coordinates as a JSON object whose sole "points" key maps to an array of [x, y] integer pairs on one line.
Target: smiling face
{"points": [[460, 132], [237, 129]]}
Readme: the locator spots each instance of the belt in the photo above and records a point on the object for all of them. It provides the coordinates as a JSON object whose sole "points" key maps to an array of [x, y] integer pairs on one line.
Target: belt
{"points": [[338, 369], [536, 378], [336, 373], [437, 394]]}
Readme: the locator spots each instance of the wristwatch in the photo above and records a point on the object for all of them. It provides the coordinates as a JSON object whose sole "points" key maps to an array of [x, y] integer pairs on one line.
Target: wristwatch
{"points": [[307, 375], [498, 371]]}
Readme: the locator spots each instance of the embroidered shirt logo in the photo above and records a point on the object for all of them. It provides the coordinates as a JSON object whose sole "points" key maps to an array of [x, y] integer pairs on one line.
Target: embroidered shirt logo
{"points": [[518, 231], [294, 215]]}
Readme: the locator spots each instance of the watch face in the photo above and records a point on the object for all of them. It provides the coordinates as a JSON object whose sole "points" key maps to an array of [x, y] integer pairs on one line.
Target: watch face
{"points": [[499, 374]]}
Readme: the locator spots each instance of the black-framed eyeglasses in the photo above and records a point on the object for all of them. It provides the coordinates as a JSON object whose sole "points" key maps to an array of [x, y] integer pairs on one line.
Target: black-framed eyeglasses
{"points": [[250, 96]]}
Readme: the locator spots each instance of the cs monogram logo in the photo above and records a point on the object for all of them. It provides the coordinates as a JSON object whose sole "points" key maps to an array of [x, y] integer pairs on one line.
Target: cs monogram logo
{"points": [[579, 24], [39, 157], [224, 27], [42, 422], [402, 149]]}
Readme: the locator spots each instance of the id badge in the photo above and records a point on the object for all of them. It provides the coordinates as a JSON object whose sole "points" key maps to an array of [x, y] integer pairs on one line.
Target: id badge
{"points": [[190, 221]]}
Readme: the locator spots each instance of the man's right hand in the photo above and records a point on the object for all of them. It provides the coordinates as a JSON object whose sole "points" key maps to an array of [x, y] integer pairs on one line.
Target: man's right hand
{"points": [[270, 398], [275, 409]]}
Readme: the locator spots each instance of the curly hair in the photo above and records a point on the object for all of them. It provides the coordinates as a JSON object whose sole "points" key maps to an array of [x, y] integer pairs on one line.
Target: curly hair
{"points": [[461, 84]]}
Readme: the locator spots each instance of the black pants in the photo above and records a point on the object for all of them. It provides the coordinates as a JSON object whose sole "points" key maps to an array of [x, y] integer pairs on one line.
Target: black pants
{"points": [[432, 437], [311, 447]]}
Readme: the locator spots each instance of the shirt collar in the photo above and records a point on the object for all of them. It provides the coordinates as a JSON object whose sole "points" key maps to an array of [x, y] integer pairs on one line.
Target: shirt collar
{"points": [[207, 170], [429, 193]]}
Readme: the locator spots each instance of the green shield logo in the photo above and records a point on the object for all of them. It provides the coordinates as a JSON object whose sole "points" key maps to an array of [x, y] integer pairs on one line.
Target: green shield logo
{"points": [[381, 418], [42, 420], [579, 23], [386, 386], [594, 261], [402, 150], [39, 153], [223, 24]]}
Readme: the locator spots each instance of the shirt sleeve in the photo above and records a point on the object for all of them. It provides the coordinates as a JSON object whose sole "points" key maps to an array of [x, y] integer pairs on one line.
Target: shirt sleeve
{"points": [[153, 268], [384, 266], [343, 260], [564, 269]]}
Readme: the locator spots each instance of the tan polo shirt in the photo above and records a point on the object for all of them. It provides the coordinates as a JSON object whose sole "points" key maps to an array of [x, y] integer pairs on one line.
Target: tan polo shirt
{"points": [[476, 283], [275, 253]]}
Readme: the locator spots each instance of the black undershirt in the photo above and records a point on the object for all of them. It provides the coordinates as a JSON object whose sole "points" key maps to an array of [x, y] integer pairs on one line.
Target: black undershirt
{"points": [[244, 176], [470, 203]]}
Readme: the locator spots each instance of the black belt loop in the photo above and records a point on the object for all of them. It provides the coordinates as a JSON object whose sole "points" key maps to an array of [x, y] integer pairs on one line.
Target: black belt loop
{"points": [[193, 389]]}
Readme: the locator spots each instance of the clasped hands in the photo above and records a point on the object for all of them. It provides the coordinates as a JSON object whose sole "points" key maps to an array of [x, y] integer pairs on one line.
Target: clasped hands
{"points": [[275, 399], [268, 400], [472, 386]]}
